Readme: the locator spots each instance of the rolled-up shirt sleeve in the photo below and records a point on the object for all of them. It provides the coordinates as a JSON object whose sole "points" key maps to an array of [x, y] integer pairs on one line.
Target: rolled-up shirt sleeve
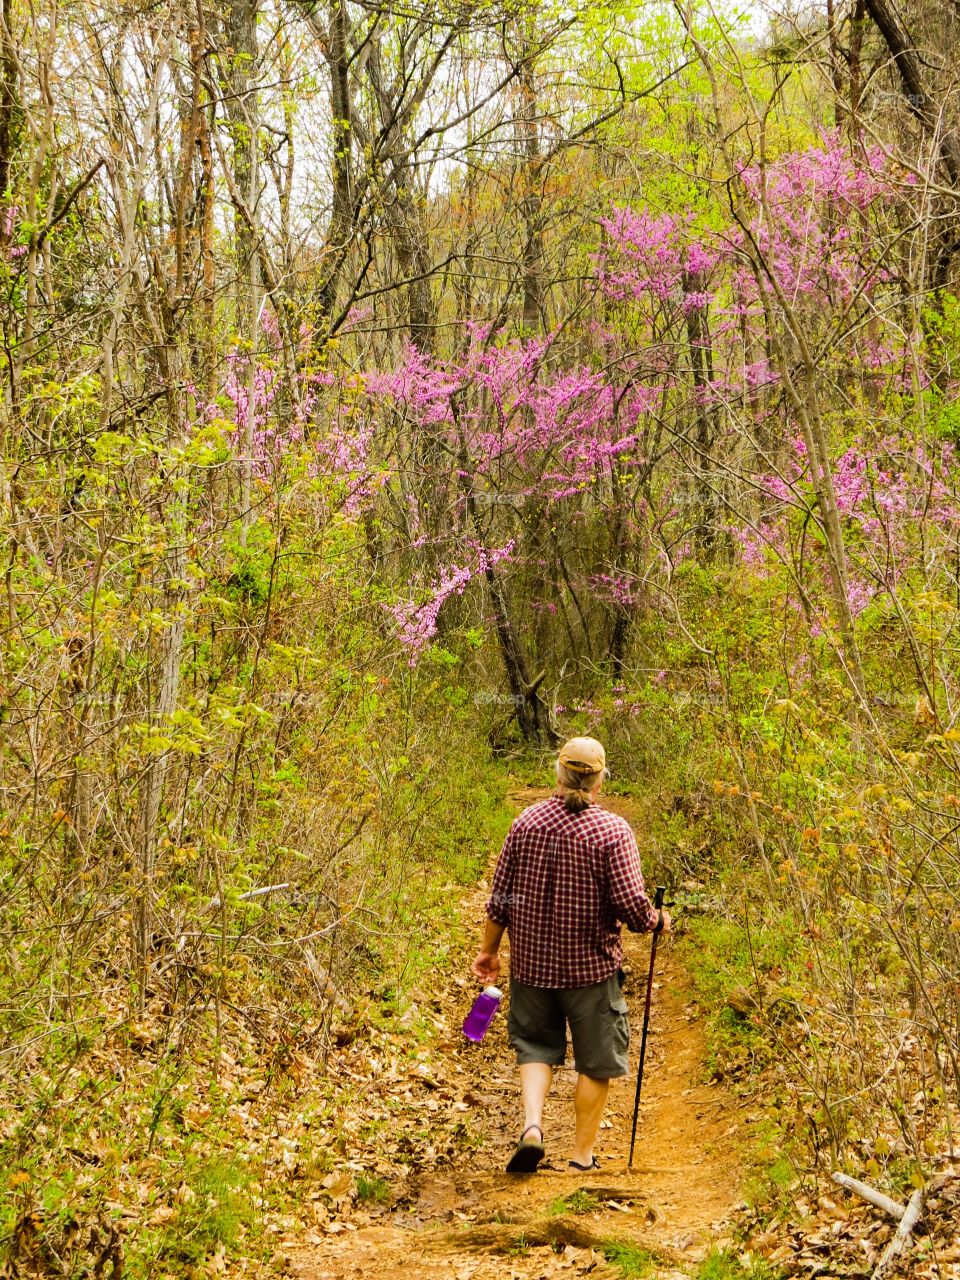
{"points": [[627, 892], [498, 904]]}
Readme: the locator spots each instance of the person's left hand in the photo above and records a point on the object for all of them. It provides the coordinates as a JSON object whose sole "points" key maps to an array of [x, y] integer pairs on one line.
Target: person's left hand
{"points": [[486, 967]]}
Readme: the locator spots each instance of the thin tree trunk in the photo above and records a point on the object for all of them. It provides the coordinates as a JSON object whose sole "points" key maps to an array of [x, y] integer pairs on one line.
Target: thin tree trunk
{"points": [[240, 30], [836, 68], [857, 15], [129, 203], [156, 772], [405, 211], [43, 140], [253, 318], [9, 97], [531, 201], [533, 716], [207, 344], [340, 232], [701, 362], [172, 349]]}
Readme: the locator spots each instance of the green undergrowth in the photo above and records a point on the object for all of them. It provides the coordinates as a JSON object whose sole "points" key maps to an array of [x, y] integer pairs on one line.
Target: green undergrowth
{"points": [[192, 1137], [578, 1202], [745, 976], [748, 975], [631, 1259], [464, 824], [637, 1263], [721, 1264], [372, 1189]]}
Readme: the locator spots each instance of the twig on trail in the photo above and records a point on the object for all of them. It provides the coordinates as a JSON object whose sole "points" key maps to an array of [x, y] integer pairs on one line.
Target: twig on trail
{"points": [[876, 1198]]}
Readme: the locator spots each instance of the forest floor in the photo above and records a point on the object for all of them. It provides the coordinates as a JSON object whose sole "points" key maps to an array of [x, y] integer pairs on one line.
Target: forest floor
{"points": [[459, 1215]]}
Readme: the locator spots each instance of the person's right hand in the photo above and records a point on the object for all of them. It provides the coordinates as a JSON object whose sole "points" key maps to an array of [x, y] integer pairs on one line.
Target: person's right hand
{"points": [[667, 922], [486, 967]]}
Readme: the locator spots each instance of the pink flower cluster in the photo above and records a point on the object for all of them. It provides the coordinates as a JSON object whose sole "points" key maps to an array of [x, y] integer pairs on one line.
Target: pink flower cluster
{"points": [[346, 454], [268, 441], [811, 220], [617, 587], [417, 622], [6, 233], [657, 255], [892, 497]]}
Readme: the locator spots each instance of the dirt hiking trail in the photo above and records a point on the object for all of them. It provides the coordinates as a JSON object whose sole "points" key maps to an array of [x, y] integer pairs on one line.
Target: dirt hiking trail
{"points": [[463, 1217]]}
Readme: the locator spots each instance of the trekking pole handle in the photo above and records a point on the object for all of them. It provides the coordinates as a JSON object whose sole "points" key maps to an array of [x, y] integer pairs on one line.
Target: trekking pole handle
{"points": [[658, 903]]}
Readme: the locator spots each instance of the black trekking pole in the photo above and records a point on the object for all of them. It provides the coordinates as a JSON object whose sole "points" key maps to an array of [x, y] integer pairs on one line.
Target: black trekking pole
{"points": [[658, 903]]}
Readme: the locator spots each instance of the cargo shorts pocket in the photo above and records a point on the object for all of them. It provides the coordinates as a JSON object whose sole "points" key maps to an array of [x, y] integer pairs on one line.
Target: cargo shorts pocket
{"points": [[600, 1030], [621, 1023]]}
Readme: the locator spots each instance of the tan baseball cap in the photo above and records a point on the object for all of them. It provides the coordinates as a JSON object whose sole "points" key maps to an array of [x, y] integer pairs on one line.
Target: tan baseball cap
{"points": [[583, 755]]}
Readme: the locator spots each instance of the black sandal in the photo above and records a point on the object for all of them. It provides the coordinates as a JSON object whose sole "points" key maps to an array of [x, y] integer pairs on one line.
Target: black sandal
{"points": [[528, 1153], [584, 1168]]}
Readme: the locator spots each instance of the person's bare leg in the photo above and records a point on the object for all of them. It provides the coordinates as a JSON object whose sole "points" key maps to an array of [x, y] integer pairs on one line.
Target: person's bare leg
{"points": [[535, 1081], [588, 1101]]}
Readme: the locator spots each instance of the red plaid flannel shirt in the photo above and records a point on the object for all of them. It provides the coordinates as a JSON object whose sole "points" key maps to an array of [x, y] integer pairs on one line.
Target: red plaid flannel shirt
{"points": [[563, 883]]}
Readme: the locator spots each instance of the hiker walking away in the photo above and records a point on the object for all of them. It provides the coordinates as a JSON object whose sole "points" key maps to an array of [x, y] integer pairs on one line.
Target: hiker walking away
{"points": [[567, 877]]}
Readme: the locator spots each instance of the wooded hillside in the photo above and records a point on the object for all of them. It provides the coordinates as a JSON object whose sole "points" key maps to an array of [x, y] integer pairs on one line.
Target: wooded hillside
{"points": [[390, 391]]}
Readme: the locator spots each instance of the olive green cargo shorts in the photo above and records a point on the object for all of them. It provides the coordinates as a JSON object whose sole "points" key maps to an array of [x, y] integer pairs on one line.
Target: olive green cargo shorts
{"points": [[599, 1026]]}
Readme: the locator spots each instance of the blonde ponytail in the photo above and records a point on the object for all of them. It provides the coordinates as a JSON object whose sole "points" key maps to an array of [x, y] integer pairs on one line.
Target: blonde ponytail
{"points": [[574, 788]]}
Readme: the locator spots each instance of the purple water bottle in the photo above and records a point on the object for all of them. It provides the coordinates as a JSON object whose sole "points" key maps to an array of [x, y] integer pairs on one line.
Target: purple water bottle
{"points": [[481, 1015]]}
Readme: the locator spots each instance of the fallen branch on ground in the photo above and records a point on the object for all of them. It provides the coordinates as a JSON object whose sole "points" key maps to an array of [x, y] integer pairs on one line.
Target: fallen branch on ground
{"points": [[911, 1216], [907, 1215], [871, 1195]]}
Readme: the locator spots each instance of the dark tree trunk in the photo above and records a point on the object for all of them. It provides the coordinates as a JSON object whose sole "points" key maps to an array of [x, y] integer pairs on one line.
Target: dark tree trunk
{"points": [[909, 64], [531, 202], [534, 717], [342, 215], [836, 68], [9, 98], [405, 212], [414, 262], [618, 641], [856, 67]]}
